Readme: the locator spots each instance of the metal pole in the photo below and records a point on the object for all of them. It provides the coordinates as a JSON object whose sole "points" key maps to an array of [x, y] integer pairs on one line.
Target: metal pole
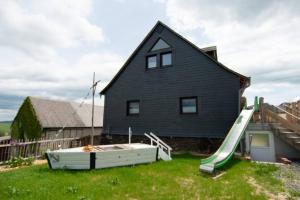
{"points": [[92, 136], [129, 135]]}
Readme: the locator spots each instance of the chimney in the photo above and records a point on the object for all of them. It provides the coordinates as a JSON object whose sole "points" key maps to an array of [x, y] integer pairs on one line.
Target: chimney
{"points": [[211, 51]]}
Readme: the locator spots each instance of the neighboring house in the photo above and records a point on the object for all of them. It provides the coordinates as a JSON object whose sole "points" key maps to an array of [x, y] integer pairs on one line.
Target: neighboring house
{"points": [[38, 117], [173, 88]]}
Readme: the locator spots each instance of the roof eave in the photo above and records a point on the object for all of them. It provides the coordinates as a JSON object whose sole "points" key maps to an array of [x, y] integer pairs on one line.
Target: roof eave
{"points": [[130, 57]]}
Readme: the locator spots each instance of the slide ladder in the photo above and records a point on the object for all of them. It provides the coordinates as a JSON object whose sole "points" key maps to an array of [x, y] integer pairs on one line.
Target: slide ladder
{"points": [[164, 150], [231, 141]]}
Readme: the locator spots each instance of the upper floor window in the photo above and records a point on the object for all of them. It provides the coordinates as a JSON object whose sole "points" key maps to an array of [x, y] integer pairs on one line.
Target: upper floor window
{"points": [[160, 55], [166, 59], [188, 105], [133, 107], [160, 44], [151, 62]]}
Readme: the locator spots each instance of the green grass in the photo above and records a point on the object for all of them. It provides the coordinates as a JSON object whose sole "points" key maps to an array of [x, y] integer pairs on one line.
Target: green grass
{"points": [[4, 128], [177, 179]]}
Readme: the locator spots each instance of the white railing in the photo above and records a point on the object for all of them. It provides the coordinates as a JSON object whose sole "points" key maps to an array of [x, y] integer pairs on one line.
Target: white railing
{"points": [[156, 141]]}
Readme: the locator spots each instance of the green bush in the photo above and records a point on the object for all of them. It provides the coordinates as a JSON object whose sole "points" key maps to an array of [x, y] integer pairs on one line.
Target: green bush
{"points": [[19, 161], [26, 123]]}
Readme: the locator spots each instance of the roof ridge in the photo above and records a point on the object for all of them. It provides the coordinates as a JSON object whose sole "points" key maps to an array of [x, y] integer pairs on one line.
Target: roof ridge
{"points": [[58, 100]]}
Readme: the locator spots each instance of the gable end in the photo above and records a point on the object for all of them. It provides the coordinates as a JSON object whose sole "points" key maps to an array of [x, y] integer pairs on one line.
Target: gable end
{"points": [[159, 27]]}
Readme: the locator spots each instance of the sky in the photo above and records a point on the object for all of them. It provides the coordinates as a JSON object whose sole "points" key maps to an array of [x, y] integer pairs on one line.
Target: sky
{"points": [[51, 48]]}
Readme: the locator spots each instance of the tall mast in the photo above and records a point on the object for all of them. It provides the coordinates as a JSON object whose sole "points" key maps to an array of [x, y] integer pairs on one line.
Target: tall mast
{"points": [[94, 88]]}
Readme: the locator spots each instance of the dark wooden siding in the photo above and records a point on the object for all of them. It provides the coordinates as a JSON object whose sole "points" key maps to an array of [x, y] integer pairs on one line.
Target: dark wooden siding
{"points": [[159, 91]]}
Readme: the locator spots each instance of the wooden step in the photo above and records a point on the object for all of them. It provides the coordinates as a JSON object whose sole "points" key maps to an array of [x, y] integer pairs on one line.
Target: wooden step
{"points": [[293, 137], [287, 132]]}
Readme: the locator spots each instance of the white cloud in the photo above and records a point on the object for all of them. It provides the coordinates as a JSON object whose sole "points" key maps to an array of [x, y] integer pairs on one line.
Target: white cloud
{"points": [[59, 79], [259, 39], [31, 77], [275, 93], [48, 49], [39, 27]]}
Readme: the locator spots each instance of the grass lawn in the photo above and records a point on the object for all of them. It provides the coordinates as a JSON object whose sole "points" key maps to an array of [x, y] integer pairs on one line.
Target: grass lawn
{"points": [[4, 128], [177, 179]]}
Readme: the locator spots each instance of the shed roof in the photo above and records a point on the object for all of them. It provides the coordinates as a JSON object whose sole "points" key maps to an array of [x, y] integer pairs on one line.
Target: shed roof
{"points": [[57, 114]]}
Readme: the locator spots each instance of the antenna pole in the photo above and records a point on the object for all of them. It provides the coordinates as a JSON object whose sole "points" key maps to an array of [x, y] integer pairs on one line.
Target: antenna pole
{"points": [[94, 86]]}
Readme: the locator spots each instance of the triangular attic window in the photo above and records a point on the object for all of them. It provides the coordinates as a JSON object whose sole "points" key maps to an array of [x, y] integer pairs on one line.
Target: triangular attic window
{"points": [[160, 44]]}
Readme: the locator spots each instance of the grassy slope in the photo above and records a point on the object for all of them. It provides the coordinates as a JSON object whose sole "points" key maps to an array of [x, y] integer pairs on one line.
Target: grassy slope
{"points": [[178, 179], [4, 127]]}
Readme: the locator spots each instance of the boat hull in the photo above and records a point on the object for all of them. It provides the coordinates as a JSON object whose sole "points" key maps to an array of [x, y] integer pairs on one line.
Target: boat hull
{"points": [[104, 157]]}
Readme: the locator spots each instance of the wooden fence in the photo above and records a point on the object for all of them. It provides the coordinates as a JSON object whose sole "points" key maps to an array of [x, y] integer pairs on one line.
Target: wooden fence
{"points": [[34, 148]]}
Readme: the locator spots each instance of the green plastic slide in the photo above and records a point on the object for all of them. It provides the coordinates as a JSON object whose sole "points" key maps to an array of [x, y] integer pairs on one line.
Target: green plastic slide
{"points": [[226, 150]]}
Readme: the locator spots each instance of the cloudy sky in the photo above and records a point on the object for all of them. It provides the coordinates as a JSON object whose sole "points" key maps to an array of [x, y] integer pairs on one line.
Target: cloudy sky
{"points": [[51, 48]]}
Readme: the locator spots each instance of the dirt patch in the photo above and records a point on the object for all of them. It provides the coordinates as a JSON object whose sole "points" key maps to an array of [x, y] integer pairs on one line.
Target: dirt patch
{"points": [[185, 182], [261, 190], [6, 168], [218, 175]]}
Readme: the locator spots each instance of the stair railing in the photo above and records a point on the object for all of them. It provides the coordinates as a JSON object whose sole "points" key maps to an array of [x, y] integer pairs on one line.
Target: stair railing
{"points": [[156, 141], [272, 116], [292, 115]]}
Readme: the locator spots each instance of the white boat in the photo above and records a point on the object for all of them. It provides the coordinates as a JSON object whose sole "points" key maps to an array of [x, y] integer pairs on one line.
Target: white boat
{"points": [[105, 156]]}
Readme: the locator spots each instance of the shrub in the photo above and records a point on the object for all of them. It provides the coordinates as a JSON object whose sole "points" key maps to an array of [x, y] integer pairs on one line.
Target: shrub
{"points": [[19, 161]]}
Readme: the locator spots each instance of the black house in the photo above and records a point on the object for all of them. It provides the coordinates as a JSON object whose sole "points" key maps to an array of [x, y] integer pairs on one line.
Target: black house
{"points": [[171, 87]]}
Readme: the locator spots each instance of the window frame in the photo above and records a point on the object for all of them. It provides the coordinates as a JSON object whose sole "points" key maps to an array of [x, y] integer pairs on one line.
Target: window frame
{"points": [[128, 107], [258, 146], [161, 58], [156, 60], [181, 108], [159, 53]]}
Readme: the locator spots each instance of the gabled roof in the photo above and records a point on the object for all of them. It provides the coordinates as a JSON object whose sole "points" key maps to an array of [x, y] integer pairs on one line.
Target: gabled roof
{"points": [[58, 114], [247, 79]]}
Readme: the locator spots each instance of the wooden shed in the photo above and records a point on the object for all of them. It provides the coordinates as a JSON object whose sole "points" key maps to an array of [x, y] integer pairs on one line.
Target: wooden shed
{"points": [[39, 117]]}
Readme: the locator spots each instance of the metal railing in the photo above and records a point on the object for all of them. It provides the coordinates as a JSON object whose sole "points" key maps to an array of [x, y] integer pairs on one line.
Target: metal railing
{"points": [[156, 141]]}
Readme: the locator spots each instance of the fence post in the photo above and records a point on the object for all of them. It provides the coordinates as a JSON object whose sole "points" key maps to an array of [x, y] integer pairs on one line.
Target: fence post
{"points": [[36, 148], [261, 109]]}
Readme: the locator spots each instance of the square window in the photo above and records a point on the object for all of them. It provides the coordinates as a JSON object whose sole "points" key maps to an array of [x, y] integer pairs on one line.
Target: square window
{"points": [[133, 107], [151, 62], [188, 105], [260, 140], [166, 59]]}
